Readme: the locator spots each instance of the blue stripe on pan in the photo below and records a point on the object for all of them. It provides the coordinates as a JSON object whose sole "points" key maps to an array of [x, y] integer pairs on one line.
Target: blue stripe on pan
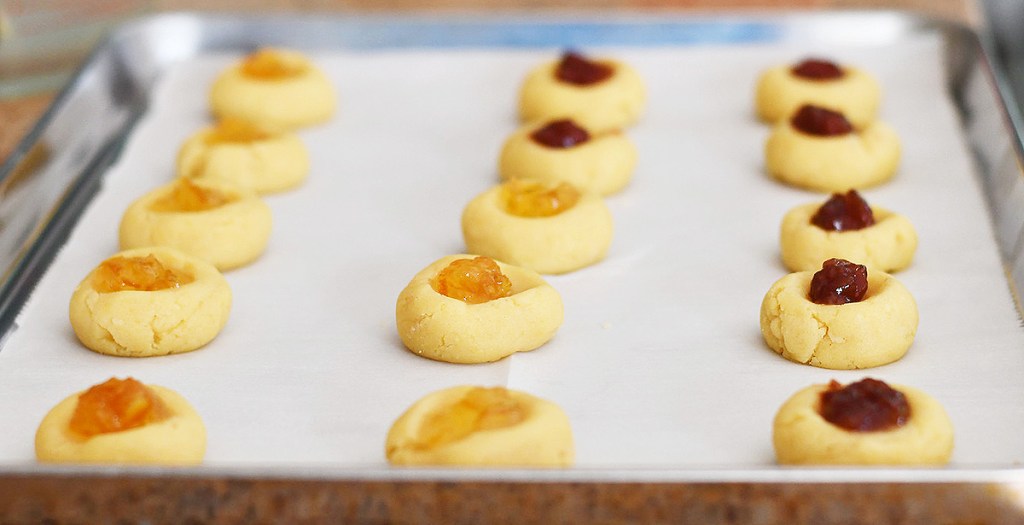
{"points": [[556, 34]]}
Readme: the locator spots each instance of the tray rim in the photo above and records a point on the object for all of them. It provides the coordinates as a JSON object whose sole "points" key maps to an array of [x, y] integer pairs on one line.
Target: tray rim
{"points": [[770, 475]]}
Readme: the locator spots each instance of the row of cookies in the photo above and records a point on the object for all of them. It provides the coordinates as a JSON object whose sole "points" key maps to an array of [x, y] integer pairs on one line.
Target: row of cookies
{"points": [[569, 154], [826, 137], [212, 214], [164, 292], [548, 217]]}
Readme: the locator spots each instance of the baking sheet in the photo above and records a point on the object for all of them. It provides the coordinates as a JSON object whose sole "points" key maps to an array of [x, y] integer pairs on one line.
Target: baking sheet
{"points": [[659, 364]]}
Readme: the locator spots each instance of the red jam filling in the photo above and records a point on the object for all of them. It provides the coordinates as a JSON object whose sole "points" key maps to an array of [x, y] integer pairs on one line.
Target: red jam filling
{"points": [[844, 212], [574, 68], [817, 69], [815, 120], [868, 405], [560, 134], [839, 282]]}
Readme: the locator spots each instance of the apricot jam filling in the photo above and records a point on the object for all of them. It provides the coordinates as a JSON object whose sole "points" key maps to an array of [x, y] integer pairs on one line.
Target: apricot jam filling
{"points": [[187, 196], [116, 405], [268, 64], [473, 281], [234, 131], [145, 274], [534, 199], [479, 410]]}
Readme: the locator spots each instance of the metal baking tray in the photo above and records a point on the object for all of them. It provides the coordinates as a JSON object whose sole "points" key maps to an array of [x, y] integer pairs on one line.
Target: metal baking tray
{"points": [[55, 173]]}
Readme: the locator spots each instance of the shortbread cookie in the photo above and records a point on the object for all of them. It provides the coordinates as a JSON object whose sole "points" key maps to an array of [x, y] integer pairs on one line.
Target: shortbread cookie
{"points": [[477, 426], [122, 422], [819, 150], [274, 89], [562, 151], [548, 229], [876, 327], [864, 423], [462, 309], [214, 221], [241, 153], [148, 302], [847, 228], [782, 90], [601, 95]]}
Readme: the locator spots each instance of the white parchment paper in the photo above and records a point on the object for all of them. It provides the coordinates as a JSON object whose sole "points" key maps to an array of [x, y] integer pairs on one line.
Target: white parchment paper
{"points": [[660, 362]]}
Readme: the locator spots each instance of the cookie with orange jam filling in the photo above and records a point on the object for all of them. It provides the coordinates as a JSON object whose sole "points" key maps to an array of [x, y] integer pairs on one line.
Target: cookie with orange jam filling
{"points": [[478, 426], [466, 309], [601, 94], [819, 149], [275, 89], [122, 422], [548, 228], [862, 423], [242, 153], [214, 221], [565, 151], [148, 302]]}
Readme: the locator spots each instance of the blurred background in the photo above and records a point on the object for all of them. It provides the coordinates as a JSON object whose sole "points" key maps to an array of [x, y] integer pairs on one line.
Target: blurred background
{"points": [[43, 41]]}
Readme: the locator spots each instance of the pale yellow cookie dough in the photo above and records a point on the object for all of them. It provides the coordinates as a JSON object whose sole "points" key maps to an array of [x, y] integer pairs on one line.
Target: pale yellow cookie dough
{"points": [[780, 93], [609, 105], [872, 332], [177, 440], [801, 436], [570, 240], [267, 162], [888, 245], [227, 236], [604, 164], [292, 94], [438, 327], [135, 323], [454, 427], [834, 163]]}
